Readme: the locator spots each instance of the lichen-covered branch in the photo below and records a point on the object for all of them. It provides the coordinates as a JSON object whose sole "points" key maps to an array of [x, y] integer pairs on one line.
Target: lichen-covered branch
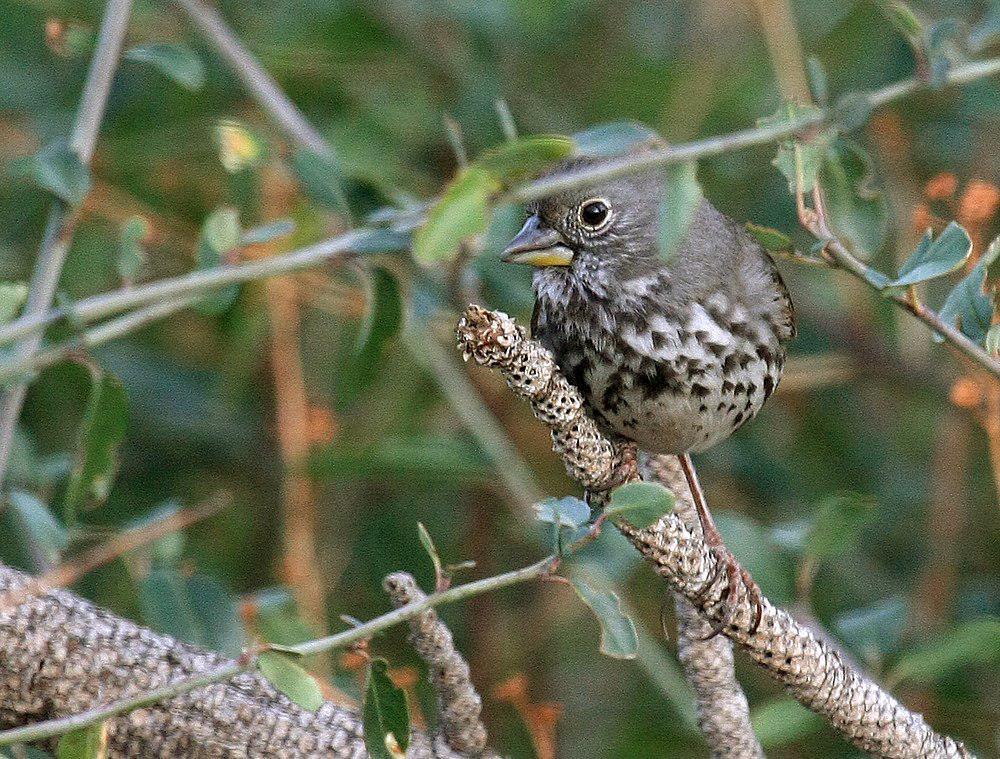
{"points": [[459, 705], [723, 712], [61, 655], [812, 671]]}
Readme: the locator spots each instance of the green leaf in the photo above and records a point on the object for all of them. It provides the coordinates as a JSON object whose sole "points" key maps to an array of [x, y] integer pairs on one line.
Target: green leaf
{"points": [[783, 721], [680, 202], [276, 618], [613, 139], [381, 324], [44, 537], [385, 714], [285, 673], [967, 305], [566, 512], [856, 210], [217, 611], [818, 84], [836, 524], [772, 239], [220, 234], [239, 147], [105, 420], [876, 628], [948, 252], [641, 503], [268, 232], [58, 169], [131, 253], [524, 157], [13, 295], [322, 179], [974, 642], [618, 636], [462, 212], [904, 19], [799, 161], [89, 742], [175, 60], [166, 605]]}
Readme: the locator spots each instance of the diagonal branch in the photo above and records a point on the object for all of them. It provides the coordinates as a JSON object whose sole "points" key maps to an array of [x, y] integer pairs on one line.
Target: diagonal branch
{"points": [[723, 712], [812, 671], [62, 219]]}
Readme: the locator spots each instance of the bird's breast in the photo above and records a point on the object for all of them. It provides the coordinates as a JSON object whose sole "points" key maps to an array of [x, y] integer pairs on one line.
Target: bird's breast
{"points": [[671, 380]]}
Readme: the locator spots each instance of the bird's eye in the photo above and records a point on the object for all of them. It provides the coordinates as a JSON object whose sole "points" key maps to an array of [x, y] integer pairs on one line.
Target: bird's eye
{"points": [[594, 213]]}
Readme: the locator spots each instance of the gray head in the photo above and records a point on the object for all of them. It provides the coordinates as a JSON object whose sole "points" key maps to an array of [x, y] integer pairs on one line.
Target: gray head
{"points": [[598, 235]]}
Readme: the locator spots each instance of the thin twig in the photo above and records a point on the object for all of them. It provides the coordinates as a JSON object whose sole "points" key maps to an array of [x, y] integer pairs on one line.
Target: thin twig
{"points": [[62, 219], [195, 282], [265, 90], [103, 333]]}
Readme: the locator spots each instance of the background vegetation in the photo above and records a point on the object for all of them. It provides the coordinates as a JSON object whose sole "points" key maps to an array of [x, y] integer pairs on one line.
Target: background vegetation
{"points": [[325, 435]]}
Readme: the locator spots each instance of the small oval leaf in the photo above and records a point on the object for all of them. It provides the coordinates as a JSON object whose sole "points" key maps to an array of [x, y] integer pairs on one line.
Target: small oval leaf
{"points": [[618, 636], [13, 296], [175, 60], [288, 676], [641, 503], [89, 742], [385, 714], [566, 512], [462, 212], [105, 420], [935, 257], [524, 157]]}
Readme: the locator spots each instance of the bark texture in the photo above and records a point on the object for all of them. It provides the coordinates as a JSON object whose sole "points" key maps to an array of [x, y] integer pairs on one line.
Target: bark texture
{"points": [[812, 670], [723, 712], [459, 704], [61, 655]]}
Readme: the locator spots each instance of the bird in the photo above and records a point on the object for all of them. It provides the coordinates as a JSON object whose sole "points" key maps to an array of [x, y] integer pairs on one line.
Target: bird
{"points": [[672, 353]]}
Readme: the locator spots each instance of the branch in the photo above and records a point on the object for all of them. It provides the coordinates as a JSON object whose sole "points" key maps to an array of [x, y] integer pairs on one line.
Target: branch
{"points": [[723, 712], [62, 655], [812, 671], [33, 639], [62, 219], [265, 90], [846, 261], [108, 304], [459, 705]]}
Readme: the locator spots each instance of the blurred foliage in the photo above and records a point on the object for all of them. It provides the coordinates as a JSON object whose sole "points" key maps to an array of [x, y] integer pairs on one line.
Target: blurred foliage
{"points": [[863, 495]]}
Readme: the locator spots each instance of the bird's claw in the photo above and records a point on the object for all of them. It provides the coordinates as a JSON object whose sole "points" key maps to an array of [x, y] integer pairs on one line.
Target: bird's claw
{"points": [[735, 576]]}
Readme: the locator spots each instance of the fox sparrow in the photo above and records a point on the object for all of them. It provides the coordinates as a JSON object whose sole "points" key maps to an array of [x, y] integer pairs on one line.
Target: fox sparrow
{"points": [[672, 355]]}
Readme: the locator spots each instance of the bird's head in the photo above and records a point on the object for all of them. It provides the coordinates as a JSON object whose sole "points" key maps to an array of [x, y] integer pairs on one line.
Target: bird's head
{"points": [[599, 234]]}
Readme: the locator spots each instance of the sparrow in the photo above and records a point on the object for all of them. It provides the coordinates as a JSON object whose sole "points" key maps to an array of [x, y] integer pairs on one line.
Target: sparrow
{"points": [[672, 354]]}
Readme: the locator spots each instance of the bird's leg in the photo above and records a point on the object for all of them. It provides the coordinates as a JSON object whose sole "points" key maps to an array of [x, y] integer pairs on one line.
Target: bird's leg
{"points": [[726, 562]]}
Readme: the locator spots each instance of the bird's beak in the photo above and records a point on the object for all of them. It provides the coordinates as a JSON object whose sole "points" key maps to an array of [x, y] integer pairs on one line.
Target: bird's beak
{"points": [[537, 245]]}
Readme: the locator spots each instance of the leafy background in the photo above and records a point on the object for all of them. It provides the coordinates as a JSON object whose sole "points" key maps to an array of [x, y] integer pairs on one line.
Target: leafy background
{"points": [[863, 494]]}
